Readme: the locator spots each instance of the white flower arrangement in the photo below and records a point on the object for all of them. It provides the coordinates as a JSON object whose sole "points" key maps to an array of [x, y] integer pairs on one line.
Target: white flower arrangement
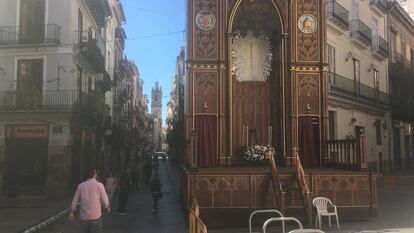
{"points": [[256, 154]]}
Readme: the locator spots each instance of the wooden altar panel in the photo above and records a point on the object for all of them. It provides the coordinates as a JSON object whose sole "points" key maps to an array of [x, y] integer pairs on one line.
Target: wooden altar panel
{"points": [[347, 190], [205, 42], [205, 91], [217, 189], [224, 192], [308, 93], [254, 105], [308, 48]]}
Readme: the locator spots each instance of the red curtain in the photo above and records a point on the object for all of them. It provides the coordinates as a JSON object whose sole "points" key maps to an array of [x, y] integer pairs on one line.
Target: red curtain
{"points": [[205, 127], [307, 149]]}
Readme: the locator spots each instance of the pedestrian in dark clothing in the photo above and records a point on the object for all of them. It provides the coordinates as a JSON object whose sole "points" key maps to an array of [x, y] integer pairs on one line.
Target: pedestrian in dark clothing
{"points": [[134, 178], [155, 162], [124, 189], [155, 187], [148, 168]]}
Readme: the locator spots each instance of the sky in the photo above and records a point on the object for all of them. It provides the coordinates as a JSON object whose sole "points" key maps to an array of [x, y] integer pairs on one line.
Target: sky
{"points": [[155, 35]]}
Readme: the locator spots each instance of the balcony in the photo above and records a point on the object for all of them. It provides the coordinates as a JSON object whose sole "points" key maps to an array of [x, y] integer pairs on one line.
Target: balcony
{"points": [[92, 48], [99, 10], [104, 82], [338, 15], [379, 47], [379, 5], [361, 32], [64, 101], [120, 36], [22, 37], [400, 64], [350, 88]]}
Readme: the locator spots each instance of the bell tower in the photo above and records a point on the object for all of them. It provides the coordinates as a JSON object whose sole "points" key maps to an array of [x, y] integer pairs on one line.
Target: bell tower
{"points": [[156, 109]]}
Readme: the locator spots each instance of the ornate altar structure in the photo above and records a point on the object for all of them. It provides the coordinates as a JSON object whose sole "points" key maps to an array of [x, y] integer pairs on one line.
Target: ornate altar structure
{"points": [[257, 74]]}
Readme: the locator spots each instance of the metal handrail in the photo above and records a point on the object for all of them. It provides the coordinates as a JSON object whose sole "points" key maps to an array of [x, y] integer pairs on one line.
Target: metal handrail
{"points": [[361, 31], [380, 45], [339, 13], [196, 225], [25, 36], [277, 186], [357, 89], [283, 220], [303, 185], [263, 211]]}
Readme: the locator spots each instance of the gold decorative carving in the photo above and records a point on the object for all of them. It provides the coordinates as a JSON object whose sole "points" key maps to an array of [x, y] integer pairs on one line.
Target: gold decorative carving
{"points": [[308, 43], [205, 41], [308, 84]]}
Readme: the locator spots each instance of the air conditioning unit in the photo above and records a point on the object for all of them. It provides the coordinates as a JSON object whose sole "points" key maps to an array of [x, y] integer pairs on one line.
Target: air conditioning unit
{"points": [[408, 129]]}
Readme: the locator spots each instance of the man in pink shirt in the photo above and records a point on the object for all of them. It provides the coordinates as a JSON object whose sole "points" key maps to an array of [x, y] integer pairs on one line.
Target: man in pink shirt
{"points": [[91, 196]]}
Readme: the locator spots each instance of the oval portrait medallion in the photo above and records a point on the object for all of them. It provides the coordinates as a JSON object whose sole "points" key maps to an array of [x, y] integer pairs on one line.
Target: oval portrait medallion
{"points": [[205, 20], [307, 23]]}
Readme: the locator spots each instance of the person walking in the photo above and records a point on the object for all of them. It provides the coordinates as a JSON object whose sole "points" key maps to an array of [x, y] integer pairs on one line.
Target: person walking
{"points": [[111, 184], [90, 196], [155, 187], [124, 189]]}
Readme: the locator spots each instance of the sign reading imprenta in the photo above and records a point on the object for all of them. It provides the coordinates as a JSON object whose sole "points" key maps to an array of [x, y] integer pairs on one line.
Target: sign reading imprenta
{"points": [[27, 131]]}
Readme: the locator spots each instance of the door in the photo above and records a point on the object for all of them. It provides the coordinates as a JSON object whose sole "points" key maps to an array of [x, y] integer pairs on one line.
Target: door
{"points": [[29, 84], [26, 160], [397, 148], [357, 76], [359, 131], [32, 21]]}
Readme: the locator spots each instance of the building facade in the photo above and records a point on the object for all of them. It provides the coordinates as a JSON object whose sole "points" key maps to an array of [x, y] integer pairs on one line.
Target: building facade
{"points": [[358, 100], [52, 109], [175, 112], [401, 73]]}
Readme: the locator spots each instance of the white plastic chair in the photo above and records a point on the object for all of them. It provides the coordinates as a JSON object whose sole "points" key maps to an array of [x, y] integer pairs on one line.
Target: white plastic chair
{"points": [[307, 231], [283, 220], [321, 204], [263, 211]]}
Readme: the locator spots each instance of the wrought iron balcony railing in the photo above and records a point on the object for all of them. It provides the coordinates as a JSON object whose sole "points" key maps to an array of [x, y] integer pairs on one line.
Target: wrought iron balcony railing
{"points": [[47, 35], [49, 101], [338, 14], [356, 89], [399, 63], [361, 32], [380, 46], [92, 47], [382, 5]]}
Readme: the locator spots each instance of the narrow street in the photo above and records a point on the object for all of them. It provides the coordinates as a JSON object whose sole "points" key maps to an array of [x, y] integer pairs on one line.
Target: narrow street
{"points": [[140, 218]]}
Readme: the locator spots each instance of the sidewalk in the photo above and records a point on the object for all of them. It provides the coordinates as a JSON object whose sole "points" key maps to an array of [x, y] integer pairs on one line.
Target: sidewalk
{"points": [[140, 218], [17, 214]]}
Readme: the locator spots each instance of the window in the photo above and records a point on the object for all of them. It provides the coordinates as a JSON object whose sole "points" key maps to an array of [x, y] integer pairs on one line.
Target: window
{"points": [[393, 45], [376, 79], [355, 10], [403, 47], [332, 125], [29, 83], [80, 25], [357, 75], [32, 21], [378, 131], [375, 39], [331, 61]]}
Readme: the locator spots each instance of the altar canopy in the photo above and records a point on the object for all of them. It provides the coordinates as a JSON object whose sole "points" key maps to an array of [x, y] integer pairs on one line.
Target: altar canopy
{"points": [[251, 57], [255, 83], [205, 127]]}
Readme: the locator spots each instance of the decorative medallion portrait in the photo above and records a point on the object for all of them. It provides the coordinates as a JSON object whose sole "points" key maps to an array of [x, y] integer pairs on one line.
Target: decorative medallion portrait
{"points": [[205, 20], [307, 23]]}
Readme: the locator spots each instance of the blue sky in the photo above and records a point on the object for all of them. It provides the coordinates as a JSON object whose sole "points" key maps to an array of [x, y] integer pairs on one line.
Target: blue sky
{"points": [[154, 40]]}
